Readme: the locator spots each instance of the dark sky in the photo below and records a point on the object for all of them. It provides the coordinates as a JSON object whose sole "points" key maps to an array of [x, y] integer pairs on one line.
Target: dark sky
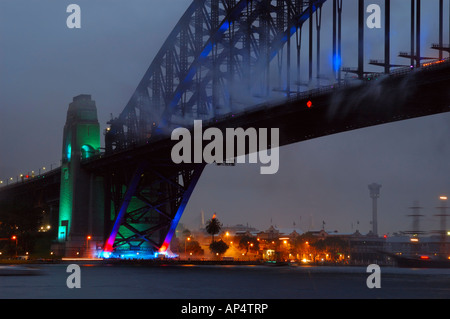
{"points": [[43, 64]]}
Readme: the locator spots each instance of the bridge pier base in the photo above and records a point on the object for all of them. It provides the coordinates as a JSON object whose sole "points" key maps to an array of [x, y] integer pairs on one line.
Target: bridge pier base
{"points": [[146, 206]]}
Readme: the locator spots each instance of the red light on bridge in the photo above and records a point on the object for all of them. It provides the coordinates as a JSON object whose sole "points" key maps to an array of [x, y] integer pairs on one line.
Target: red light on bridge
{"points": [[309, 104], [163, 248]]}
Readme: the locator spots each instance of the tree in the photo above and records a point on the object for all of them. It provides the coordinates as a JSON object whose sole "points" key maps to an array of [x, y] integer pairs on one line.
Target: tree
{"points": [[193, 247], [335, 246], [218, 247], [213, 226], [186, 233], [330, 245], [247, 242]]}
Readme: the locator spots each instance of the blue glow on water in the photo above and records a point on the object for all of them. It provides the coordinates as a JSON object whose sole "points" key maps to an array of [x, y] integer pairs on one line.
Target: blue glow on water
{"points": [[136, 254], [105, 255]]}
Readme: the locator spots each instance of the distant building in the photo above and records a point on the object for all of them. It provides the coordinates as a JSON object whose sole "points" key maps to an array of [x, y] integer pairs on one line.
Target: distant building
{"points": [[240, 230], [366, 248], [362, 249], [272, 233], [400, 244]]}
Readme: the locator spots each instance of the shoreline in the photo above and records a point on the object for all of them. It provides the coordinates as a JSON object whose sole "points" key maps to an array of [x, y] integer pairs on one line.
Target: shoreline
{"points": [[176, 262]]}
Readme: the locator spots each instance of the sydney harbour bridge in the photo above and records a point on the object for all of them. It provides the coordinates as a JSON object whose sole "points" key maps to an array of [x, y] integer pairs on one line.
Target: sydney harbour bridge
{"points": [[218, 65]]}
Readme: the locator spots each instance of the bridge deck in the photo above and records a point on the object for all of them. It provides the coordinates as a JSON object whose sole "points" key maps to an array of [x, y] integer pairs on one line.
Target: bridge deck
{"points": [[402, 95]]}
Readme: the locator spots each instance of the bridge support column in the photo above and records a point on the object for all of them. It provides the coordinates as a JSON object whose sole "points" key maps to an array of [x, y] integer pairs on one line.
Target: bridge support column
{"points": [[361, 38], [441, 29], [413, 58], [339, 39], [418, 19], [387, 37]]}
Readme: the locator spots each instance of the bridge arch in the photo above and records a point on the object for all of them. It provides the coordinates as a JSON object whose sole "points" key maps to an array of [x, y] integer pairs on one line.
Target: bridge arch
{"points": [[216, 47]]}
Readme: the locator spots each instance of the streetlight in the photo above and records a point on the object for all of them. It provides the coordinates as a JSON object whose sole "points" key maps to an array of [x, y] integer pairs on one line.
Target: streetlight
{"points": [[185, 244], [443, 216], [88, 237], [14, 237]]}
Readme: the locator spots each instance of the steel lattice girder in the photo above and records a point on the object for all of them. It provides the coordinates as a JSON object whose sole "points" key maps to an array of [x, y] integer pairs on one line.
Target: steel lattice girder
{"points": [[148, 205], [216, 46]]}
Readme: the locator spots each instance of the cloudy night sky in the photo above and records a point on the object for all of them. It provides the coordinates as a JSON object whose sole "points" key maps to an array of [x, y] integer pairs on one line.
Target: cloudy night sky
{"points": [[44, 64]]}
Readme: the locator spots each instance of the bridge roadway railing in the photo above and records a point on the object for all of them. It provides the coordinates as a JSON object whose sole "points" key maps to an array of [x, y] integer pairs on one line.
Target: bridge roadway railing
{"points": [[32, 179]]}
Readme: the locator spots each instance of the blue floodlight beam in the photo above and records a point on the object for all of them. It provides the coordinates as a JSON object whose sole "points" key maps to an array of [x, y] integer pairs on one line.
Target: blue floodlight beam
{"points": [[224, 26], [185, 199]]}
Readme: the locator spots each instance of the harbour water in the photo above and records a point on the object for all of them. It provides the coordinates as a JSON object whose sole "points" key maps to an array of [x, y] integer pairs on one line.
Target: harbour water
{"points": [[108, 281]]}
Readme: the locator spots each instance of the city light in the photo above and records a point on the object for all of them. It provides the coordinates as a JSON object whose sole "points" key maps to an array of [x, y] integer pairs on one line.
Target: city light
{"points": [[432, 63]]}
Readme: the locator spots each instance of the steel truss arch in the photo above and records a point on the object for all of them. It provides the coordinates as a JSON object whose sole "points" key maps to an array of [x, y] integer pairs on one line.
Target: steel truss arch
{"points": [[217, 48]]}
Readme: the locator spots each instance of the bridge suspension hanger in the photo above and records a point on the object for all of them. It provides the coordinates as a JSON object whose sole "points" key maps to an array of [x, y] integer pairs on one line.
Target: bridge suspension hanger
{"points": [[318, 25]]}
